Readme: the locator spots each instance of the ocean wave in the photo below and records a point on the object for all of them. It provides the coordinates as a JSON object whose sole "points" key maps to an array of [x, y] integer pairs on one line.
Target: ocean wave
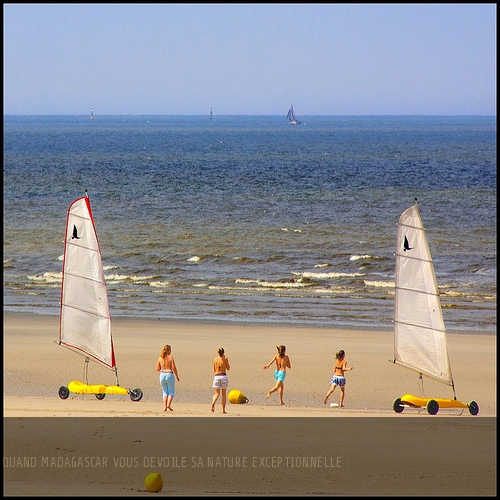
{"points": [[380, 284], [160, 284], [121, 278], [47, 278], [469, 295], [327, 275], [273, 284], [361, 257]]}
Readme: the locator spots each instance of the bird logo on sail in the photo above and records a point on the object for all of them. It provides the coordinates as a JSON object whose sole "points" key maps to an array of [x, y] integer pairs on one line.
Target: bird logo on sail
{"points": [[406, 245], [75, 233]]}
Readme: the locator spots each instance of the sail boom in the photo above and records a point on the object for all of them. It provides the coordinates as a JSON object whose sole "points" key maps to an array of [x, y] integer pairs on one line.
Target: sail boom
{"points": [[85, 354], [419, 325], [422, 372], [410, 290], [419, 259]]}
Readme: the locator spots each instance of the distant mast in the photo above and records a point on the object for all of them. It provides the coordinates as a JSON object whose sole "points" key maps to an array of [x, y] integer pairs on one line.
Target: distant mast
{"points": [[91, 114], [210, 113]]}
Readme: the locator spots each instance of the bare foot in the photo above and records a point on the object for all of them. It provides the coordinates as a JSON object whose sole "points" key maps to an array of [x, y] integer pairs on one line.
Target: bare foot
{"points": [[268, 395], [325, 400], [342, 406], [170, 408], [212, 409], [225, 412], [282, 403]]}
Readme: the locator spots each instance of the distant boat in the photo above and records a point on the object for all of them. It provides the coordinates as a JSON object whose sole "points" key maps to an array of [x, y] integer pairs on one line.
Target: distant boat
{"points": [[210, 113], [91, 114], [291, 117]]}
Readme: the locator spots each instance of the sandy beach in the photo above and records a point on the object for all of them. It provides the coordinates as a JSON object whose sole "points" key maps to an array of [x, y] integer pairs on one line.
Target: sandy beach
{"points": [[35, 367]]}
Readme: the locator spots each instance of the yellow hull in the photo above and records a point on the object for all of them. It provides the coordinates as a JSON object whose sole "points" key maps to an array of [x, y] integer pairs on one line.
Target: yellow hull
{"points": [[442, 402], [432, 405], [81, 388], [100, 390]]}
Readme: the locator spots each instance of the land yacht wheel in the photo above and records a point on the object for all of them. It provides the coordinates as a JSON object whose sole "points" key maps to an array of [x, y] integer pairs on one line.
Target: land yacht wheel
{"points": [[136, 394], [397, 406], [63, 392], [432, 407], [100, 396], [473, 408]]}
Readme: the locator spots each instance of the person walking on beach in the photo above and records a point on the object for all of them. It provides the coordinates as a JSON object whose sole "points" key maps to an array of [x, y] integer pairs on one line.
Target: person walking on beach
{"points": [[166, 367], [282, 363], [220, 383], [338, 378]]}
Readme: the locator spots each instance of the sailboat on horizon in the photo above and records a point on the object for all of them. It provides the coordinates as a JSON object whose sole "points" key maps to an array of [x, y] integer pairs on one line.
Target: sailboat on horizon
{"points": [[291, 117], [85, 321], [419, 331]]}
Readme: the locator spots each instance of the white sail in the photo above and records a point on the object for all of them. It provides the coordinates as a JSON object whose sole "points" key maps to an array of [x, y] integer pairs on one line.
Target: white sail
{"points": [[419, 331], [85, 321]]}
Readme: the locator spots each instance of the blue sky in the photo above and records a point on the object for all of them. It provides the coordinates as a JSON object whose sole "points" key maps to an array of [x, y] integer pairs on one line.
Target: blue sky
{"points": [[250, 59]]}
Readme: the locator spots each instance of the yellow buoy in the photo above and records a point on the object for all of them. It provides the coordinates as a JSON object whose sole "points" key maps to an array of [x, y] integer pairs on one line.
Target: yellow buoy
{"points": [[154, 482], [237, 397]]}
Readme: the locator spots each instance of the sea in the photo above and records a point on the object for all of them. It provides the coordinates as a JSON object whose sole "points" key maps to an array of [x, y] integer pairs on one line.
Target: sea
{"points": [[248, 219]]}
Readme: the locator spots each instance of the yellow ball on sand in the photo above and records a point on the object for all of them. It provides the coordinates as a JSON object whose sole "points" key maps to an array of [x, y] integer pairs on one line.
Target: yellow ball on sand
{"points": [[154, 482], [237, 397]]}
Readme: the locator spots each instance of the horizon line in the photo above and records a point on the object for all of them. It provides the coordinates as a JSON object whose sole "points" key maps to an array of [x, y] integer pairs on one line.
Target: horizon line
{"points": [[267, 115]]}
